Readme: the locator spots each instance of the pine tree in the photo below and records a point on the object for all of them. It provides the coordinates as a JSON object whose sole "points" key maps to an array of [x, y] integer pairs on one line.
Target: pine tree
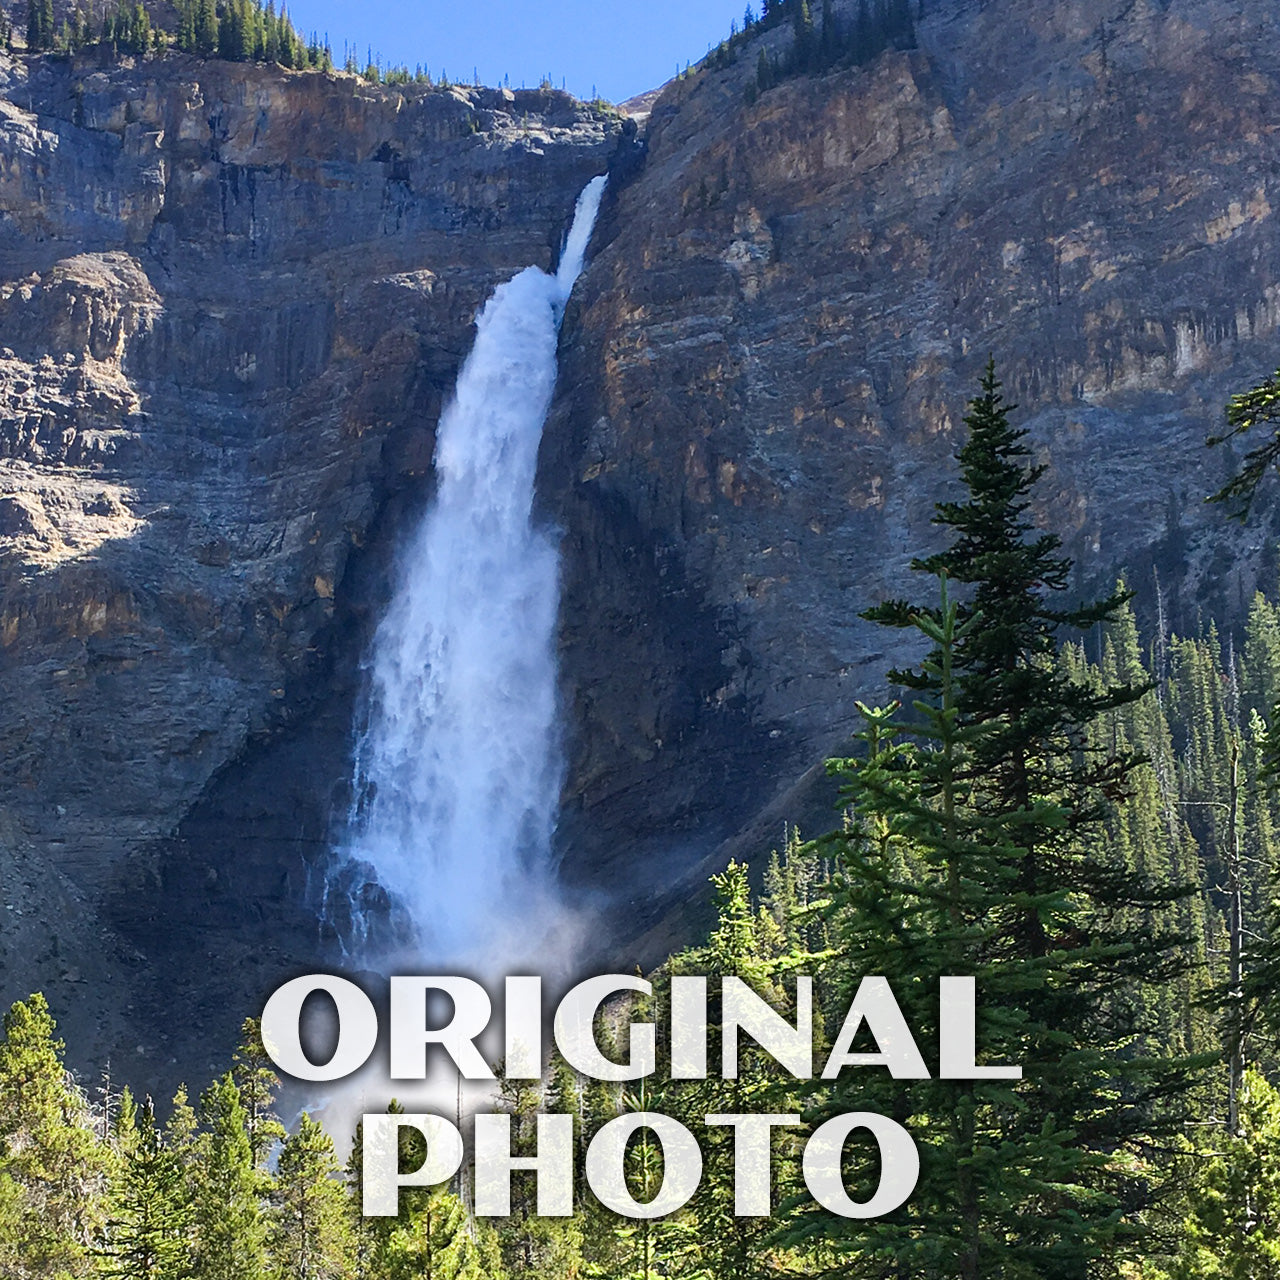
{"points": [[149, 1216], [804, 50], [257, 1082], [370, 1237], [829, 38], [310, 1232], [206, 28], [52, 1171], [978, 856], [1232, 1231], [565, 1097], [765, 77], [1258, 406], [230, 1230], [40, 28], [1147, 832], [707, 1236], [533, 1246], [438, 1242]]}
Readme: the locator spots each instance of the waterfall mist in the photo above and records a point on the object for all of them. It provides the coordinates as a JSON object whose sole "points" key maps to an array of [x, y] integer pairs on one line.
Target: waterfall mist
{"points": [[458, 763]]}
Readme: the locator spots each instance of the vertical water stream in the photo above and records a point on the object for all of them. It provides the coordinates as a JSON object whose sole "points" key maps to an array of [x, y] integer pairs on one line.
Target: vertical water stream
{"points": [[458, 764]]}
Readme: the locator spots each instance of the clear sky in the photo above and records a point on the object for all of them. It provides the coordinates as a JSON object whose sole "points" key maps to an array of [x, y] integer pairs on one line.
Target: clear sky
{"points": [[619, 48]]}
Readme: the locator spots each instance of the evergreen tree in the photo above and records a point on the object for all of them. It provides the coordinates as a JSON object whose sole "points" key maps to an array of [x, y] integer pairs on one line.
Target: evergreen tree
{"points": [[149, 1215], [206, 28], [229, 1224], [533, 1246], [1147, 833], [257, 1082], [1258, 406], [52, 1170], [437, 1241], [829, 36], [310, 1233], [804, 50], [370, 1237], [707, 1236], [40, 29], [977, 856], [1232, 1231]]}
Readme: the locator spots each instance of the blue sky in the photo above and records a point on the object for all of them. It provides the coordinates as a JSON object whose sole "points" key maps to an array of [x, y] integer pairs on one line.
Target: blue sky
{"points": [[621, 49]]}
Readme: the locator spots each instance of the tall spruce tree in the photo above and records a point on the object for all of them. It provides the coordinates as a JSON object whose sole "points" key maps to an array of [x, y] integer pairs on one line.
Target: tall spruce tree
{"points": [[973, 852], [149, 1215], [708, 1236], [310, 1233], [230, 1230], [257, 1082], [40, 29]]}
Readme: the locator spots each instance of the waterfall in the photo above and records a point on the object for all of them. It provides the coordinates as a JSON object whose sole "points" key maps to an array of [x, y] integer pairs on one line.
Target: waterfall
{"points": [[458, 764]]}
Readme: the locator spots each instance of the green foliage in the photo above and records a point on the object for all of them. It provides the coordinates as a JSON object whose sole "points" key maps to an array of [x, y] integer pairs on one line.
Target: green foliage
{"points": [[52, 1171], [257, 1082], [974, 849], [546, 1248], [149, 1214], [1258, 406], [707, 1237], [310, 1234], [1232, 1231], [437, 1241], [246, 31], [817, 47], [1056, 810], [40, 31], [230, 1227], [128, 30]]}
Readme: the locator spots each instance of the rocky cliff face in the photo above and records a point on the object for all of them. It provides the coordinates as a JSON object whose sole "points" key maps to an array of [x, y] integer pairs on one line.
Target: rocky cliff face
{"points": [[767, 370], [232, 300]]}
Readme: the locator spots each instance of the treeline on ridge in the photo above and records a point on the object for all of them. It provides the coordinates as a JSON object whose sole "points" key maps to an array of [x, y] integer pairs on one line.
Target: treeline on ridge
{"points": [[229, 30], [251, 31], [234, 30], [820, 41]]}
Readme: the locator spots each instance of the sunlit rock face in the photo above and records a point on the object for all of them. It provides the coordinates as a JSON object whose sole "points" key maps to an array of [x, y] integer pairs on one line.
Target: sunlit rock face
{"points": [[233, 300], [766, 374]]}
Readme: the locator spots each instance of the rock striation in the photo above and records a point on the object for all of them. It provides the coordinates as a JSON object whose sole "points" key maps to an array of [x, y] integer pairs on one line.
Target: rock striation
{"points": [[232, 300], [765, 377]]}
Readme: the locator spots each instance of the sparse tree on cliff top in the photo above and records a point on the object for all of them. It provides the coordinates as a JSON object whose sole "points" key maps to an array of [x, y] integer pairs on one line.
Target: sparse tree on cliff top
{"points": [[39, 25]]}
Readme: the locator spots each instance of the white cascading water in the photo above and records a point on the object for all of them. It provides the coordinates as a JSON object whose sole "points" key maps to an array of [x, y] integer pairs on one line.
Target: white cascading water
{"points": [[458, 767]]}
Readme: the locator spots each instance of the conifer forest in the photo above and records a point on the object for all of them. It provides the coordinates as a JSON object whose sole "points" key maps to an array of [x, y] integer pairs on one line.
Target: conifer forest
{"points": [[1082, 816]]}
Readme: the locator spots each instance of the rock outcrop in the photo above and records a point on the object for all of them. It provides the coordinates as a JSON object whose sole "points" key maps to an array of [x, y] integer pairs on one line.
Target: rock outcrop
{"points": [[766, 373], [232, 300]]}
